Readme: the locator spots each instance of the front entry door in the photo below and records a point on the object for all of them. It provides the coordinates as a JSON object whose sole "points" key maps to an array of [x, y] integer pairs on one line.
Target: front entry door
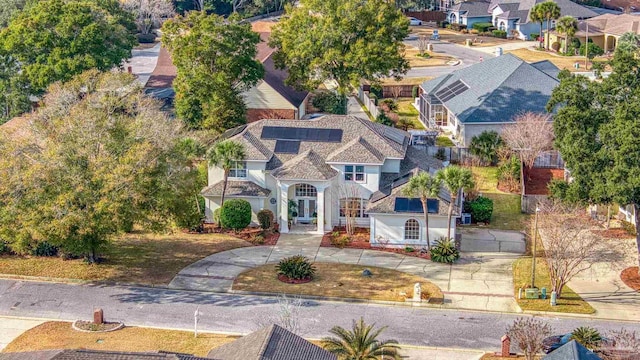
{"points": [[306, 209]]}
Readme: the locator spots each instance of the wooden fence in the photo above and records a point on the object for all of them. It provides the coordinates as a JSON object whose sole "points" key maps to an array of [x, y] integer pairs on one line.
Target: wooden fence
{"points": [[435, 16], [530, 202]]}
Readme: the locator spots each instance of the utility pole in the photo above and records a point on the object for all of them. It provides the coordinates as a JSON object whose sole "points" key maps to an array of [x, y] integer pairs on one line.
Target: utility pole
{"points": [[533, 263]]}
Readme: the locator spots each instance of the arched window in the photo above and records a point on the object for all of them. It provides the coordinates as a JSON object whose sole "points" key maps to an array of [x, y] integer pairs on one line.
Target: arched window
{"points": [[502, 26], [411, 230], [306, 190]]}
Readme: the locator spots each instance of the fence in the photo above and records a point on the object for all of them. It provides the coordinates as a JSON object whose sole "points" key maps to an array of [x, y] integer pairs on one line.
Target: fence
{"points": [[530, 202], [395, 91], [368, 103], [435, 16], [549, 160]]}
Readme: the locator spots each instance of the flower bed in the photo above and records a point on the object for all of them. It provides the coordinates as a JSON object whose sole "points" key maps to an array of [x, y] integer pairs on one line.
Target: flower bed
{"points": [[360, 240]]}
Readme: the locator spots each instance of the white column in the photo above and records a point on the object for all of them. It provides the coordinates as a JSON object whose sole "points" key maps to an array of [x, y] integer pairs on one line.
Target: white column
{"points": [[320, 211], [284, 208]]}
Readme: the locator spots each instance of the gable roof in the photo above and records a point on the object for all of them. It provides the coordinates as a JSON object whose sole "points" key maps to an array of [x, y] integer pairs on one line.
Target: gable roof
{"points": [[615, 24], [498, 89], [82, 354], [236, 188], [515, 9], [479, 8], [306, 166], [276, 79], [572, 351], [271, 343]]}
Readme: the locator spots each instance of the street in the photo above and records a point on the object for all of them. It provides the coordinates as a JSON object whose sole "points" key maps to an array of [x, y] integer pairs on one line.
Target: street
{"points": [[138, 306]]}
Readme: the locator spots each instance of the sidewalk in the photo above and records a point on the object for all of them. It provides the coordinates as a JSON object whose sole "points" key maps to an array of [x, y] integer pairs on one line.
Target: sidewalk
{"points": [[11, 328], [354, 108]]}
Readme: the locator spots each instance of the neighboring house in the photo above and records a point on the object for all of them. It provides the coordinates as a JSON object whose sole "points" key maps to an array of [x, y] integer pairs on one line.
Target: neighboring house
{"points": [[514, 16], [628, 213], [604, 30], [321, 164], [572, 350], [82, 354], [469, 13], [486, 96], [270, 98], [271, 343]]}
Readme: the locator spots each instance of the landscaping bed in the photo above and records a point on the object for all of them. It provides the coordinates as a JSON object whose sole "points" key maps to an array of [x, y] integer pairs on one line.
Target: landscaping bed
{"points": [[630, 277], [59, 335], [340, 280], [253, 234], [360, 240], [141, 258]]}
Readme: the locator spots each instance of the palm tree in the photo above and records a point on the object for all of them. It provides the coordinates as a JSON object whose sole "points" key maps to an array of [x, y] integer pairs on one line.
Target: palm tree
{"points": [[454, 178], [361, 343], [549, 11], [423, 186], [568, 26], [537, 15], [224, 155]]}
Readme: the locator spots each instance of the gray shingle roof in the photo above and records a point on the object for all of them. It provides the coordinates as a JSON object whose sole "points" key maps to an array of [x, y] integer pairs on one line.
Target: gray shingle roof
{"points": [[572, 351], [499, 89], [523, 9], [386, 205], [357, 150], [96, 355], [306, 166], [276, 79], [473, 8], [236, 188], [271, 343]]}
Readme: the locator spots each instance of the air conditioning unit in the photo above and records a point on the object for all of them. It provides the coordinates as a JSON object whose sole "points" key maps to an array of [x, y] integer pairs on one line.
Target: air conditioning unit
{"points": [[466, 219]]}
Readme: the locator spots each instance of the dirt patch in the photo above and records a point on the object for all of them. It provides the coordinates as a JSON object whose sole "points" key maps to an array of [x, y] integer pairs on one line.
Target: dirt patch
{"points": [[537, 179], [630, 277], [93, 327], [360, 240], [285, 279]]}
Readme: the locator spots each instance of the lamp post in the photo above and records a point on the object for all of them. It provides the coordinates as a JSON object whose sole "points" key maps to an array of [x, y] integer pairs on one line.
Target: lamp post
{"points": [[533, 263]]}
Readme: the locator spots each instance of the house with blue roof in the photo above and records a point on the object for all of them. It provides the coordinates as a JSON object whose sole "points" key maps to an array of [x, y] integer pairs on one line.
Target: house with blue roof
{"points": [[486, 96]]}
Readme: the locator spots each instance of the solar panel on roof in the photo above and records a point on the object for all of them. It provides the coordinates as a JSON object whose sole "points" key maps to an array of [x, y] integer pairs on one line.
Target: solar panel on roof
{"points": [[452, 90], [414, 205], [394, 135], [287, 146], [301, 134]]}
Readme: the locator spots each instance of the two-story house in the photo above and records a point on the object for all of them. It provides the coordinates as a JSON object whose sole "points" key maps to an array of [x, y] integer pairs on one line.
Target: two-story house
{"points": [[322, 165]]}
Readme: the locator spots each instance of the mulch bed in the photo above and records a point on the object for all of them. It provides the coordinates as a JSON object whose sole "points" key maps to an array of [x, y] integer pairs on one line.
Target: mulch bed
{"points": [[90, 326], [287, 280], [249, 234], [360, 240], [630, 277], [613, 233], [537, 179]]}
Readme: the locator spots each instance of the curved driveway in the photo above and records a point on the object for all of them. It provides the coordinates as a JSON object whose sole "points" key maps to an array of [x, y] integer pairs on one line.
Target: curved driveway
{"points": [[481, 281]]}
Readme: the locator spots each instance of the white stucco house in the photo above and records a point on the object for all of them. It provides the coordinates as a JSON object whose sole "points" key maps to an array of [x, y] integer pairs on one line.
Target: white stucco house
{"points": [[319, 164]]}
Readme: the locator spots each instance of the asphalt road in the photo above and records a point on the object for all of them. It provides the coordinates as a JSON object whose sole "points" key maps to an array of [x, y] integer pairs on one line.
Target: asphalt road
{"points": [[242, 314], [467, 57]]}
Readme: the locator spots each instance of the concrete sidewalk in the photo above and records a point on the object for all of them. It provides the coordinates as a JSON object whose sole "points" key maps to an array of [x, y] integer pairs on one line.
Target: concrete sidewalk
{"points": [[11, 328], [478, 281]]}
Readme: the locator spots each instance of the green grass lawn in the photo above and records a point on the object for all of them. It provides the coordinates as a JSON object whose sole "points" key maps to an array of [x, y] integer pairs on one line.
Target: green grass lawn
{"points": [[444, 141], [506, 206], [570, 301], [407, 111]]}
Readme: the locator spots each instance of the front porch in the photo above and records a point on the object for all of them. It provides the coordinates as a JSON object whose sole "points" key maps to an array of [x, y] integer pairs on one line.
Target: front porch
{"points": [[302, 207]]}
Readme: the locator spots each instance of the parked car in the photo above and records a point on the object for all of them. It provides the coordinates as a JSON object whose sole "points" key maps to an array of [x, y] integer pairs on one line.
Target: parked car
{"points": [[414, 22], [553, 342]]}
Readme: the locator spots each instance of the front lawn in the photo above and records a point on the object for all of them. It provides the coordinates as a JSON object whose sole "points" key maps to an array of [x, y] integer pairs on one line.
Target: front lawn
{"points": [[339, 280], [570, 301], [507, 213], [134, 258], [561, 61], [59, 335]]}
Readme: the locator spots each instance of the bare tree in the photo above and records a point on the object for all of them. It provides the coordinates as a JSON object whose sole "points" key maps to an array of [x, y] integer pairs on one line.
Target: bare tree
{"points": [[530, 135], [286, 314], [238, 4], [423, 44], [348, 199], [149, 13], [622, 345], [528, 333], [570, 246], [396, 91]]}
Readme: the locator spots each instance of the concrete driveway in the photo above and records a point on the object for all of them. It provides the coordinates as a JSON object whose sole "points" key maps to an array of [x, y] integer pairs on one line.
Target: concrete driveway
{"points": [[479, 281], [491, 240]]}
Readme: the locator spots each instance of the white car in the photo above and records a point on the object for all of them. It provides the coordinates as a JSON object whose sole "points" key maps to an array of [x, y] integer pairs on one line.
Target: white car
{"points": [[414, 22]]}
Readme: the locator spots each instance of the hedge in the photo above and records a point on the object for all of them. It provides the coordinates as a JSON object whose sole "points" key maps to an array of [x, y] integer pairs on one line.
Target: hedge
{"points": [[482, 27], [481, 209], [235, 214]]}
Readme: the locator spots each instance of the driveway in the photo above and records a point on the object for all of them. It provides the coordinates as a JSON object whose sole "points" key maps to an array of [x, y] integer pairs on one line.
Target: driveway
{"points": [[143, 61], [480, 281], [491, 240]]}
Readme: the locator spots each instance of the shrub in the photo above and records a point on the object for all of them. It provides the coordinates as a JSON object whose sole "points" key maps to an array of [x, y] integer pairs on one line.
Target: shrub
{"points": [[594, 50], [258, 239], [296, 267], [534, 37], [482, 26], [444, 24], [384, 119], [558, 189], [587, 336], [236, 214], [481, 209], [388, 105], [499, 34], [44, 249], [628, 227], [4, 247], [330, 102], [265, 218], [555, 46], [440, 155], [376, 90], [146, 38], [445, 251], [474, 31], [458, 27], [509, 173], [414, 92], [409, 249], [340, 241], [486, 145], [216, 216]]}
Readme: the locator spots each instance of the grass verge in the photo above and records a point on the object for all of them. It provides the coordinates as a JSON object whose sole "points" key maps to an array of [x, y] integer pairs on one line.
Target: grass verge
{"points": [[434, 59], [570, 301], [562, 62], [59, 335], [339, 280], [134, 258]]}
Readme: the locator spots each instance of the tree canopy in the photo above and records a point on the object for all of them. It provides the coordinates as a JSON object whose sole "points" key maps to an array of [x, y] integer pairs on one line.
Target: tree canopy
{"points": [[345, 41], [8, 9], [597, 130], [97, 157], [215, 58], [546, 11], [53, 40]]}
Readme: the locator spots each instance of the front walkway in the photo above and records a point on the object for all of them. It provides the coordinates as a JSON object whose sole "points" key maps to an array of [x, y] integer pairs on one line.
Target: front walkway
{"points": [[11, 328], [479, 281]]}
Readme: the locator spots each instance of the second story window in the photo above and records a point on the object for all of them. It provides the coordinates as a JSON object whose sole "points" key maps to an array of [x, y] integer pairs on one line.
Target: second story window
{"points": [[238, 170], [354, 173]]}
